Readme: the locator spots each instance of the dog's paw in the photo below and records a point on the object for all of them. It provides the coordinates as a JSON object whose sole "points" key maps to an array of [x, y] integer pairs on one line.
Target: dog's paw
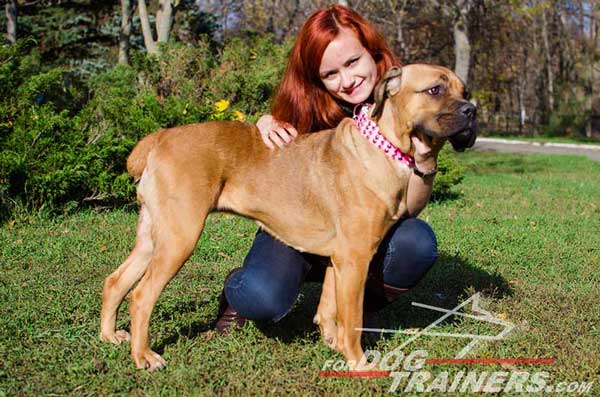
{"points": [[317, 319], [328, 330], [149, 360], [117, 337], [363, 367]]}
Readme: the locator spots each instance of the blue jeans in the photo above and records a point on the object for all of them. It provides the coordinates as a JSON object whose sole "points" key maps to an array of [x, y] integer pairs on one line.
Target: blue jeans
{"points": [[269, 282]]}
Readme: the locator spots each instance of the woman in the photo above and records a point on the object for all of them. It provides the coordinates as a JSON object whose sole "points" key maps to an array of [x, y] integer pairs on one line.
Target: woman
{"points": [[312, 96]]}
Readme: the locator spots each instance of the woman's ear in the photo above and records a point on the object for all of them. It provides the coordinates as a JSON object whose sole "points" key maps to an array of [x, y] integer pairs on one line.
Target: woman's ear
{"points": [[387, 87]]}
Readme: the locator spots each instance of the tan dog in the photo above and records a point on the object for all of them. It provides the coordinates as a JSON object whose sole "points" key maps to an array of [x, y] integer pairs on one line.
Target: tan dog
{"points": [[331, 193]]}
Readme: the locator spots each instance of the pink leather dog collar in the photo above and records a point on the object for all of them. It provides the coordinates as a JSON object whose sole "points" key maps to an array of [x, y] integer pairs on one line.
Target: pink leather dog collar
{"points": [[370, 130]]}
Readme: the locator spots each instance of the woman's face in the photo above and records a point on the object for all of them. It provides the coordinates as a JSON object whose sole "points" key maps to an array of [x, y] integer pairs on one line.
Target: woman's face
{"points": [[347, 69]]}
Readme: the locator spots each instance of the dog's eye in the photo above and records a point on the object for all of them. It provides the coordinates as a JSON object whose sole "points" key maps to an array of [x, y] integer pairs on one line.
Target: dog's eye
{"points": [[467, 95], [434, 91]]}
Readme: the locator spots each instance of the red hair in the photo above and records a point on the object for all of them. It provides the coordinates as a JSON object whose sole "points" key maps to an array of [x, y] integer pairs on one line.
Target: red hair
{"points": [[301, 98]]}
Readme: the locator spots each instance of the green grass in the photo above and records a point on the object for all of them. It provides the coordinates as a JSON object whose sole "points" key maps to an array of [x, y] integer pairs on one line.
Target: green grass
{"points": [[524, 231]]}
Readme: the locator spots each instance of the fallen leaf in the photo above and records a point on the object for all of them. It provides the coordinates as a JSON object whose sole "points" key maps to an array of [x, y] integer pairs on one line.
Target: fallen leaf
{"points": [[510, 367], [208, 335]]}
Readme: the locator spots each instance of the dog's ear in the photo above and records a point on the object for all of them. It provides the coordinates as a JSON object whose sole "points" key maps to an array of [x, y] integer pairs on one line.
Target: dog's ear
{"points": [[387, 87]]}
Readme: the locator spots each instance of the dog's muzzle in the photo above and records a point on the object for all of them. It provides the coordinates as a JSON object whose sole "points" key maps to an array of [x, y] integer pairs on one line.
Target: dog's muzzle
{"points": [[466, 138]]}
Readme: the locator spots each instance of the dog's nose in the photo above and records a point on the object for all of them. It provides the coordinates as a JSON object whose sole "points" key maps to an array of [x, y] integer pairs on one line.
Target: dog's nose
{"points": [[468, 110]]}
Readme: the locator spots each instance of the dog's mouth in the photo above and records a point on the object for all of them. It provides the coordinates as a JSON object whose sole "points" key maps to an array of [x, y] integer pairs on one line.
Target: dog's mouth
{"points": [[461, 139], [464, 138]]}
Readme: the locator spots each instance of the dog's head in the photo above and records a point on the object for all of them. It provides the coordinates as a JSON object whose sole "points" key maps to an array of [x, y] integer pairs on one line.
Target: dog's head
{"points": [[430, 100]]}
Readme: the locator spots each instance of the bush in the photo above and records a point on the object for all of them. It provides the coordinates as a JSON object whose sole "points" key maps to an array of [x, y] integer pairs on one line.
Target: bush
{"points": [[58, 154], [569, 118], [37, 139], [248, 73], [450, 173]]}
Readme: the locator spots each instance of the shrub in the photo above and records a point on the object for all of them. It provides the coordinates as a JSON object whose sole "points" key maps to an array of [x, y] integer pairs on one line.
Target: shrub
{"points": [[248, 73], [450, 173], [569, 118]]}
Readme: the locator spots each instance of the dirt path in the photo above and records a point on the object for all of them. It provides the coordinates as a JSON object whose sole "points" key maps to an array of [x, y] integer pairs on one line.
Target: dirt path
{"points": [[513, 146]]}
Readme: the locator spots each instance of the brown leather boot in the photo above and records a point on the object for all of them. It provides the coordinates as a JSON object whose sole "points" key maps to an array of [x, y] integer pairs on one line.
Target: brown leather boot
{"points": [[227, 316], [393, 293], [372, 307], [377, 296]]}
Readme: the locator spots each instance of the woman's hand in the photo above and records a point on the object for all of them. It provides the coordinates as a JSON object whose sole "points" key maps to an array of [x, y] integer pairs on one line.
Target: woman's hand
{"points": [[274, 132], [419, 189]]}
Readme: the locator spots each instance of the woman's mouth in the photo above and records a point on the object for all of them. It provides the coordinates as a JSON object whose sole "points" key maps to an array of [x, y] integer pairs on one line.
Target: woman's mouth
{"points": [[354, 89]]}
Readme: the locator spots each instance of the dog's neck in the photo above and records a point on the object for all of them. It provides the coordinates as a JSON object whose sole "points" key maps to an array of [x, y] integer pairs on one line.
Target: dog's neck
{"points": [[395, 129], [372, 132], [387, 177]]}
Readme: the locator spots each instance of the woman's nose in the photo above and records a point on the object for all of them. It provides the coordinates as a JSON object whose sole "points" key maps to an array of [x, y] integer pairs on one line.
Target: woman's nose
{"points": [[347, 80]]}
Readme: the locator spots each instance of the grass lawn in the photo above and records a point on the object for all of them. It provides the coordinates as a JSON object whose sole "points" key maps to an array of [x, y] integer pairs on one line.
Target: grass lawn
{"points": [[523, 230]]}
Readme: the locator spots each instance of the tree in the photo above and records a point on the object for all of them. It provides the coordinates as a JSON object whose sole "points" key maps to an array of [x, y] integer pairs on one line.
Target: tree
{"points": [[458, 11], [462, 45], [548, 56], [164, 23], [126, 13], [11, 21]]}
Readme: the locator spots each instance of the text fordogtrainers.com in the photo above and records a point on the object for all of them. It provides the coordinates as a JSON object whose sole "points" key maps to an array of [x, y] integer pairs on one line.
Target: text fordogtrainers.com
{"points": [[408, 376]]}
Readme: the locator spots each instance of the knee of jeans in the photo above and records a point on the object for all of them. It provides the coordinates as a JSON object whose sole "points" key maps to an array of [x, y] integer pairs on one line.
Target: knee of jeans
{"points": [[423, 238], [272, 303], [263, 300], [412, 251]]}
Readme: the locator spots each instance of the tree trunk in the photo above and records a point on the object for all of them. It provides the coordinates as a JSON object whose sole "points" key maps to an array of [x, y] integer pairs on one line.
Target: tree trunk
{"points": [[462, 46], [521, 87], [11, 21], [592, 51], [164, 20], [225, 14], [151, 45], [549, 72], [126, 12], [399, 21]]}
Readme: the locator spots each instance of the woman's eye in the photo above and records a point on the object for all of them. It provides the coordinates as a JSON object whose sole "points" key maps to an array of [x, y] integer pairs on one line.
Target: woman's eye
{"points": [[435, 91], [328, 76], [352, 61]]}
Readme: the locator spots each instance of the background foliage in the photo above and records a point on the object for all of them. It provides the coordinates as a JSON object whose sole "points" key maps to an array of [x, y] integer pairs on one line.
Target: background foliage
{"points": [[64, 139], [69, 116]]}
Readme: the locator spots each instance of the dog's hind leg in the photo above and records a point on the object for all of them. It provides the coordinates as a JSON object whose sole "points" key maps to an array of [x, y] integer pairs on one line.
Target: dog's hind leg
{"points": [[177, 225], [326, 312], [118, 284]]}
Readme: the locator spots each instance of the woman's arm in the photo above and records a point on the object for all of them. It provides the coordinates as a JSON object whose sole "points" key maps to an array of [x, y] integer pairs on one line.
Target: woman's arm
{"points": [[420, 187]]}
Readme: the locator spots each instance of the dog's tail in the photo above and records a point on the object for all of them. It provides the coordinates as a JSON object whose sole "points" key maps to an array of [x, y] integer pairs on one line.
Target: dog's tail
{"points": [[136, 162]]}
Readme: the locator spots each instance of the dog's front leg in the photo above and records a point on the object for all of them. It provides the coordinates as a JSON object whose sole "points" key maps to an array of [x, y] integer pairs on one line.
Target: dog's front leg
{"points": [[350, 276]]}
